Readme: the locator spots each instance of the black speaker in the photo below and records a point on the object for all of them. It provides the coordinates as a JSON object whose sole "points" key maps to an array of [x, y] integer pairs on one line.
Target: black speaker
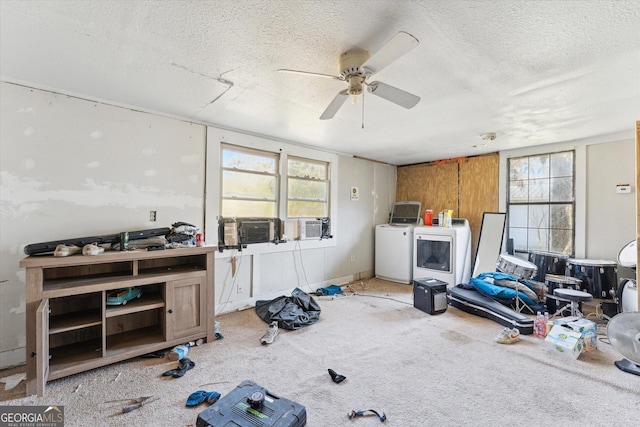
{"points": [[430, 295]]}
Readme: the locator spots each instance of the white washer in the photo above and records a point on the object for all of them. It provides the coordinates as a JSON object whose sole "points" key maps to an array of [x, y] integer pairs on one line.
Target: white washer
{"points": [[443, 253], [394, 243]]}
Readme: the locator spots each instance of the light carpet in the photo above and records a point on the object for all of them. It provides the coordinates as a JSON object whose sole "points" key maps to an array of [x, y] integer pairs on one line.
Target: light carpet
{"points": [[419, 369]]}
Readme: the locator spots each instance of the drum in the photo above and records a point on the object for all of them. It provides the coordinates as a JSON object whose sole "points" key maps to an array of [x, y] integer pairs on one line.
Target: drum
{"points": [[599, 277], [548, 263], [555, 281], [515, 266], [627, 296], [628, 255]]}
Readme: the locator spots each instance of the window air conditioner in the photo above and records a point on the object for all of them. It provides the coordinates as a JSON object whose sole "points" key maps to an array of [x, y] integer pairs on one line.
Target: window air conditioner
{"points": [[310, 228]]}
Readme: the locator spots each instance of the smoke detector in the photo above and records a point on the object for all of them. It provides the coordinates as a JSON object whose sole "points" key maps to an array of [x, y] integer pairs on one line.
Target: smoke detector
{"points": [[487, 138]]}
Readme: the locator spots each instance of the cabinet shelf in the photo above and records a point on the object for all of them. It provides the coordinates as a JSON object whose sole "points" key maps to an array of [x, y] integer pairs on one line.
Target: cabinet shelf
{"points": [[72, 358], [133, 341], [145, 302], [72, 321]]}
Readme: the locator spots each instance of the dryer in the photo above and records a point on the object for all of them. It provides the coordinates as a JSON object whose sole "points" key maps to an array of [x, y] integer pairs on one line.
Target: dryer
{"points": [[443, 253]]}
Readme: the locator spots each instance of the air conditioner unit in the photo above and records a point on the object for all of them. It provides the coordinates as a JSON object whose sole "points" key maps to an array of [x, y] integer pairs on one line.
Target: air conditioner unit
{"points": [[311, 228], [236, 233]]}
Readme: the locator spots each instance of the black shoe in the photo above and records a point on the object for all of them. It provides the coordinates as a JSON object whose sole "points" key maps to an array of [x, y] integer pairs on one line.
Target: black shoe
{"points": [[337, 378], [183, 366]]}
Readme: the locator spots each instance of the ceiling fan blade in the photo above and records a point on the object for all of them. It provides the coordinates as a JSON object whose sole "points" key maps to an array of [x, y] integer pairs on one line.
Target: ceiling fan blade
{"points": [[393, 94], [400, 44], [327, 76], [335, 105]]}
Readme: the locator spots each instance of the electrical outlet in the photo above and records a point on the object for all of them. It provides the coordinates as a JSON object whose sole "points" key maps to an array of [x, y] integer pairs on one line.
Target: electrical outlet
{"points": [[353, 258], [152, 216]]}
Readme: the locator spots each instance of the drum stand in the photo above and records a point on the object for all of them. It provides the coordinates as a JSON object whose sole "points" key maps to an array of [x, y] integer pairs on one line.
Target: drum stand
{"points": [[572, 297], [520, 304]]}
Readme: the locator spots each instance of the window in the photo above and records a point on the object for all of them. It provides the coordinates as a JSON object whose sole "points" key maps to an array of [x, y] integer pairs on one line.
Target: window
{"points": [[249, 183], [541, 202], [307, 188]]}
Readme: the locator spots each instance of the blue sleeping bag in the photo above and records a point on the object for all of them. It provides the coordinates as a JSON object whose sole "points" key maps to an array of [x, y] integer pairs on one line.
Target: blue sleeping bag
{"points": [[484, 286]]}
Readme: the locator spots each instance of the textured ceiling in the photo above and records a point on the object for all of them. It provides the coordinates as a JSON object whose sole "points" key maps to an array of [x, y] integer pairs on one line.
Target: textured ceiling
{"points": [[534, 72]]}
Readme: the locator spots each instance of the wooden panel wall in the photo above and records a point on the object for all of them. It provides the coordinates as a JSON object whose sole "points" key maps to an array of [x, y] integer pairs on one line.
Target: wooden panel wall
{"points": [[434, 185], [469, 186], [478, 192]]}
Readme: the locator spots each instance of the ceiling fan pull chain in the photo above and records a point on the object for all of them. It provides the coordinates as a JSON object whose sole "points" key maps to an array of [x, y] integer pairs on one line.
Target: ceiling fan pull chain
{"points": [[363, 109]]}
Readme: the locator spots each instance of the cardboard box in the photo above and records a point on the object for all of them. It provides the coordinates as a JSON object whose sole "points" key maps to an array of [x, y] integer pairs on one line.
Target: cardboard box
{"points": [[588, 330], [565, 340]]}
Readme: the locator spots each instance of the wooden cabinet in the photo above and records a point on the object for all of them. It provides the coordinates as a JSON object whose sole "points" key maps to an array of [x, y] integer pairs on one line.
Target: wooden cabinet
{"points": [[71, 329]]}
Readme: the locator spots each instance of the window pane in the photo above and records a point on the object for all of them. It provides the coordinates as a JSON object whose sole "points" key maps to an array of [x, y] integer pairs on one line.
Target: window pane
{"points": [[562, 189], [561, 241], [539, 190], [306, 169], [518, 216], [538, 216], [307, 190], [538, 239], [519, 236], [519, 168], [562, 164], [248, 161], [539, 166], [562, 217], [306, 209], [248, 208], [248, 185], [519, 191]]}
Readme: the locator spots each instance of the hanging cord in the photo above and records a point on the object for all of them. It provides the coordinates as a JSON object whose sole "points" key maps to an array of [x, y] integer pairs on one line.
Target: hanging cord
{"points": [[363, 91]]}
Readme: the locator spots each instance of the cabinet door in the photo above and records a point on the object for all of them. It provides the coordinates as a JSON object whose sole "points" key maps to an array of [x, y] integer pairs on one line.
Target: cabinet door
{"points": [[186, 300], [42, 346]]}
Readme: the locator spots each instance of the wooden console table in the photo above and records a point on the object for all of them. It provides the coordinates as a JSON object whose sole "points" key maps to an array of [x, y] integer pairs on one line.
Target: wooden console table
{"points": [[71, 329]]}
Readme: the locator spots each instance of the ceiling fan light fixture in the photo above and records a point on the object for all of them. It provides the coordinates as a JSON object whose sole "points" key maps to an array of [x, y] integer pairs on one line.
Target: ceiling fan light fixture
{"points": [[355, 85]]}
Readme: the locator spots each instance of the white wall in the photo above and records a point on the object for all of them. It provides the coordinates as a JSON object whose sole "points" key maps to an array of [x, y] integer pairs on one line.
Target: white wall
{"points": [[71, 167], [611, 217]]}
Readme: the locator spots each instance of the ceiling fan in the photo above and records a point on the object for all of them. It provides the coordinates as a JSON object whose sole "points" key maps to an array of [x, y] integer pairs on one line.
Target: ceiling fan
{"points": [[357, 67]]}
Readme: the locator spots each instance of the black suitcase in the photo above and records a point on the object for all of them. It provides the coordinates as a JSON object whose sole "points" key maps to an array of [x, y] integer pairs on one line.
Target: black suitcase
{"points": [[250, 405], [481, 305]]}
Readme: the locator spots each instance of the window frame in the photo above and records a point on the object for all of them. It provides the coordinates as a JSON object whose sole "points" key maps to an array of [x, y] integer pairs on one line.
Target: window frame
{"points": [[550, 203], [326, 180], [256, 152]]}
